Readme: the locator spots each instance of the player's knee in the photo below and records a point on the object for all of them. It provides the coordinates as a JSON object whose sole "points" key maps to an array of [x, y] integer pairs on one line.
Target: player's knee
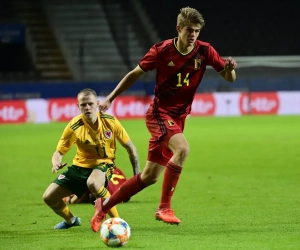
{"points": [[91, 184], [182, 152], [94, 185], [95, 181], [47, 198]]}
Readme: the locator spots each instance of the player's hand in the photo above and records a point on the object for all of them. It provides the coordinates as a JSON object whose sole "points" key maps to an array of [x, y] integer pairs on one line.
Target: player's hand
{"points": [[104, 106], [230, 64], [57, 166]]}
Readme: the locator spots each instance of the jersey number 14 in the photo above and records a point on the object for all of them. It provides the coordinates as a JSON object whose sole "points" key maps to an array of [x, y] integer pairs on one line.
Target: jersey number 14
{"points": [[185, 81]]}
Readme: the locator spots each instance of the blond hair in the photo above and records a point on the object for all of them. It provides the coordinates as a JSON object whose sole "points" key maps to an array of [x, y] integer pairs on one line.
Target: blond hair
{"points": [[188, 16], [87, 91]]}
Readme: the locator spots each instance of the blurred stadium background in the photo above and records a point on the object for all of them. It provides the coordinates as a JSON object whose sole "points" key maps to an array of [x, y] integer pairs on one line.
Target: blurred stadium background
{"points": [[70, 44]]}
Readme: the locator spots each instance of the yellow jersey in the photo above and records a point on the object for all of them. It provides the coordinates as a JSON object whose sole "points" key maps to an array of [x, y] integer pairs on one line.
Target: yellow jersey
{"points": [[93, 147]]}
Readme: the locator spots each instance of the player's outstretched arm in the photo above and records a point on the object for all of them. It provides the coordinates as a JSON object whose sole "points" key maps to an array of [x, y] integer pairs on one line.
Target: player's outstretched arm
{"points": [[133, 156], [123, 85], [56, 161], [229, 70]]}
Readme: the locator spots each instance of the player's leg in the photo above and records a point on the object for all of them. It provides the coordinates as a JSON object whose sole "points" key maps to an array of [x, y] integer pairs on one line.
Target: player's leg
{"points": [[128, 189], [53, 198], [176, 150], [73, 199], [137, 183], [71, 181], [97, 185], [134, 185], [148, 177], [180, 149], [68, 199]]}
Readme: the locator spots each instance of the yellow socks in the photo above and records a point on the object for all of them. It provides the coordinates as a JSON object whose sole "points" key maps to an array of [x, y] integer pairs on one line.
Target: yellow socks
{"points": [[63, 210], [104, 193]]}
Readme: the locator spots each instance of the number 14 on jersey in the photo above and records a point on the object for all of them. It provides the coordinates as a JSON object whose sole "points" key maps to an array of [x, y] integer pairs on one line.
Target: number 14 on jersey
{"points": [[185, 80]]}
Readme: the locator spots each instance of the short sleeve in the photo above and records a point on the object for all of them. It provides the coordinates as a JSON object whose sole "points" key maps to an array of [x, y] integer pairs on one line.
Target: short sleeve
{"points": [[149, 61], [214, 60], [66, 140], [121, 133]]}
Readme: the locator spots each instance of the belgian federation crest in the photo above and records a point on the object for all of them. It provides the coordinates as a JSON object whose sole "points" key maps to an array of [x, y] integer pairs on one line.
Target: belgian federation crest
{"points": [[171, 123], [108, 134], [197, 63]]}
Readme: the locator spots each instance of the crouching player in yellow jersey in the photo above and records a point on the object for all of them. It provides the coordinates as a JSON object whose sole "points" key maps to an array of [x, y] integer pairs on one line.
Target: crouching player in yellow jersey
{"points": [[94, 135]]}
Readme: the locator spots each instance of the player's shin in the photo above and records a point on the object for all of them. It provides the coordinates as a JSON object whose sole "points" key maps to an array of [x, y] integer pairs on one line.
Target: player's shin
{"points": [[171, 177], [129, 188], [63, 210]]}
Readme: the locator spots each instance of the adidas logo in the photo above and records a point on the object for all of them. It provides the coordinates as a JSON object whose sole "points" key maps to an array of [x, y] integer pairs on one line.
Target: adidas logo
{"points": [[87, 142], [171, 63]]}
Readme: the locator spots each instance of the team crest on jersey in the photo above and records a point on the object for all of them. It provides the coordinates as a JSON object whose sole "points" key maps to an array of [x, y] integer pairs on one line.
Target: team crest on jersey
{"points": [[61, 176], [197, 63], [108, 134], [171, 123]]}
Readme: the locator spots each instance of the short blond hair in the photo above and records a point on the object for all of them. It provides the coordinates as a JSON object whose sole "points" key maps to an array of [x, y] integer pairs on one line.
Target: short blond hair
{"points": [[188, 16], [87, 91]]}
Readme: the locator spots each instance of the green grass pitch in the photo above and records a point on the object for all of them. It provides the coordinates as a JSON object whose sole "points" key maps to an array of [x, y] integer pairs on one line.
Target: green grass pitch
{"points": [[239, 189]]}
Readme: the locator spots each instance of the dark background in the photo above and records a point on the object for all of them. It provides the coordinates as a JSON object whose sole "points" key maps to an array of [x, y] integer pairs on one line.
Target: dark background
{"points": [[234, 28], [240, 28]]}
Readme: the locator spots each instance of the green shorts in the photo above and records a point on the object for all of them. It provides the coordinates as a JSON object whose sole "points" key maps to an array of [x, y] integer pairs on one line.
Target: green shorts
{"points": [[75, 178]]}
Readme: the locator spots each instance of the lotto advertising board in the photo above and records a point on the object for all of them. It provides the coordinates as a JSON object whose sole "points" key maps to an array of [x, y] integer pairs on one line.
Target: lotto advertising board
{"points": [[132, 107]]}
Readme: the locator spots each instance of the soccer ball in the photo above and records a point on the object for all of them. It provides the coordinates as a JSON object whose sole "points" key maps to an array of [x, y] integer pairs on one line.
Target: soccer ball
{"points": [[115, 232]]}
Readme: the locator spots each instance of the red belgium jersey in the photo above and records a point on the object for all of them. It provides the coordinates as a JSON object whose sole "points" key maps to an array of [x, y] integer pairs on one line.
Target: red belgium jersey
{"points": [[178, 75]]}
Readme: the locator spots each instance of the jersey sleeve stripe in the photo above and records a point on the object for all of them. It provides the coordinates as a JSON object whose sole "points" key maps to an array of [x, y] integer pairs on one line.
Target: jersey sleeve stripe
{"points": [[77, 124], [107, 116]]}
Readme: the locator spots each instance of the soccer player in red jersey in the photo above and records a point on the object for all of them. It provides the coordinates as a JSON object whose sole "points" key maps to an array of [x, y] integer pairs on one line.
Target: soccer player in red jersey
{"points": [[180, 64]]}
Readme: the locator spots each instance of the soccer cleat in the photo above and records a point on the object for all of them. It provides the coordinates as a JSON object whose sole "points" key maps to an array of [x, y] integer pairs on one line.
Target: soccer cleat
{"points": [[98, 217], [167, 215], [65, 225]]}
